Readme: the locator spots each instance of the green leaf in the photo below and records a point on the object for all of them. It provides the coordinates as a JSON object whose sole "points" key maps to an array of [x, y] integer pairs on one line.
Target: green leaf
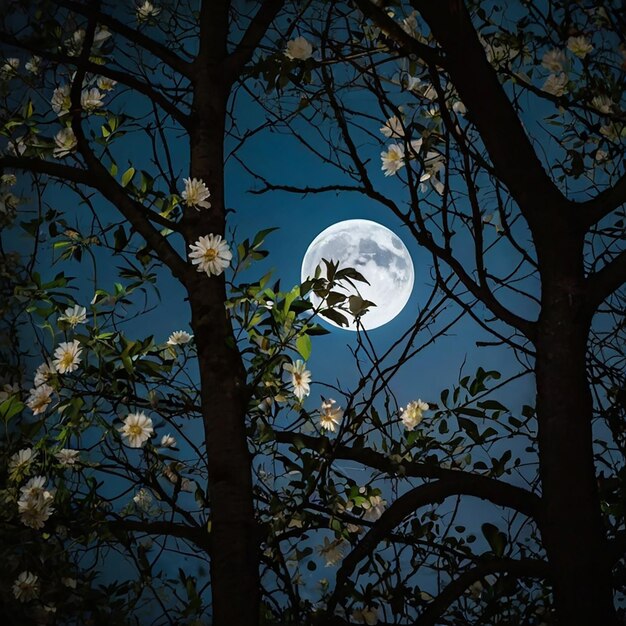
{"points": [[335, 316], [303, 345], [127, 176]]}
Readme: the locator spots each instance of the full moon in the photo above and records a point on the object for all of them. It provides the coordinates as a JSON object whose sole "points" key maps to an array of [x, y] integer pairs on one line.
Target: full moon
{"points": [[374, 251]]}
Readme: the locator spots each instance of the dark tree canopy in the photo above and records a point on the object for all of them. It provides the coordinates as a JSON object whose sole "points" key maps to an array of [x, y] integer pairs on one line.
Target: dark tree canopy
{"points": [[491, 133]]}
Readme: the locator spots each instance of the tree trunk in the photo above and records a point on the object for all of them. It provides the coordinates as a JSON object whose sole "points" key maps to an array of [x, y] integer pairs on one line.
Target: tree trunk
{"points": [[233, 537], [572, 532]]}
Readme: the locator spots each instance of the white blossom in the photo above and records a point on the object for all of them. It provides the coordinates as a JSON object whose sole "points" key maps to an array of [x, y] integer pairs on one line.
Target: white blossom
{"points": [[61, 101], [413, 414], [211, 254], [35, 503], [8, 179], [299, 49], [9, 67], [393, 159], [33, 65], [330, 416], [167, 441], [44, 373], [74, 315], [39, 398], [602, 103], [68, 582], [8, 390], [554, 60], [556, 84], [580, 46], [21, 460], [374, 508], [26, 586], [143, 499], [67, 356], [65, 141], [392, 128], [196, 193], [137, 429], [300, 378], [67, 457], [147, 11], [105, 83], [179, 337], [91, 99]]}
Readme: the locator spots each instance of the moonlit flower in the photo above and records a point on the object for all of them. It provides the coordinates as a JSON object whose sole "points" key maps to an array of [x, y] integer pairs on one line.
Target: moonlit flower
{"points": [[393, 159], [330, 415], [33, 65], [331, 551], [91, 99], [179, 337], [74, 315], [299, 49], [167, 441], [21, 460], [8, 390], [413, 414], [137, 429], [211, 254], [374, 508], [65, 141], [67, 457], [580, 46], [143, 499], [39, 398], [412, 83], [554, 60], [17, 146], [67, 356], [602, 103], [8, 179], [70, 583], [367, 615], [300, 378], [44, 373], [392, 128], [26, 586], [35, 503], [9, 67], [196, 193], [459, 108], [556, 84], [106, 84], [146, 11], [61, 101]]}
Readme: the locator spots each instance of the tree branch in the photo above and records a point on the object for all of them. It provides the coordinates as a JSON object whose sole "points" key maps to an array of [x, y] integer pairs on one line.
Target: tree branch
{"points": [[252, 37], [601, 284], [592, 211], [101, 180], [503, 134], [526, 568], [152, 46]]}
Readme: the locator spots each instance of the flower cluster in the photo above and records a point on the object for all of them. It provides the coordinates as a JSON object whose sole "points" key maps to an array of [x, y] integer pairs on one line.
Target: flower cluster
{"points": [[413, 414], [35, 502]]}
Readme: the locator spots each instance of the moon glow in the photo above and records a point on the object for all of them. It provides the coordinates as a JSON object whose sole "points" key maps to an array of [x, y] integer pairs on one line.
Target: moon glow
{"points": [[374, 251]]}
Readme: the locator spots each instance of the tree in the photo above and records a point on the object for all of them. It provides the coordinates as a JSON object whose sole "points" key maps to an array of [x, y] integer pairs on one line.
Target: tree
{"points": [[502, 138]]}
